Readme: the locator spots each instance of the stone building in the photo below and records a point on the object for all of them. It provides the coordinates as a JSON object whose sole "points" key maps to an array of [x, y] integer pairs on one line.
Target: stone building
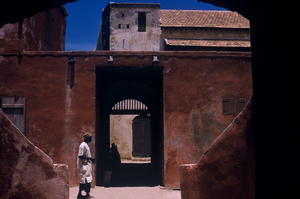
{"points": [[145, 27], [129, 27], [191, 98], [204, 30], [276, 156]]}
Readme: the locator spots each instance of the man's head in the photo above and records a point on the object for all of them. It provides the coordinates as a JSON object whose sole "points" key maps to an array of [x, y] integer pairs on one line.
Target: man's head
{"points": [[87, 137]]}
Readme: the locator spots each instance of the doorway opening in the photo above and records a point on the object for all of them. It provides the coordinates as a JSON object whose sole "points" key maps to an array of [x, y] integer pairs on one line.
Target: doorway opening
{"points": [[141, 136], [129, 125], [130, 132]]}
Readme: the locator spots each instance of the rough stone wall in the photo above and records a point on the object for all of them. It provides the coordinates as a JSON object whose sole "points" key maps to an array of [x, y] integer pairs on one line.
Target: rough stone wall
{"points": [[26, 171], [130, 39], [227, 169]]}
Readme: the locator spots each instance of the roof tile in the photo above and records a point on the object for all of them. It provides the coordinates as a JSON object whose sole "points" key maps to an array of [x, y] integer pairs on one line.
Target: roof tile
{"points": [[202, 18]]}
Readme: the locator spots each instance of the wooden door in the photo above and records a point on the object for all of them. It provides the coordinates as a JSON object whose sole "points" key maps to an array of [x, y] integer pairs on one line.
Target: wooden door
{"points": [[141, 136]]}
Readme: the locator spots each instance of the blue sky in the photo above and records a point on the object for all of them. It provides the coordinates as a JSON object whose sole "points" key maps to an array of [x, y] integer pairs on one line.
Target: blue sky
{"points": [[84, 19]]}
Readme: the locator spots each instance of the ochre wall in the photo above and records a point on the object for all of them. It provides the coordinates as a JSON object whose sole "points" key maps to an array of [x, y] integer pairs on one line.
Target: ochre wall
{"points": [[194, 83]]}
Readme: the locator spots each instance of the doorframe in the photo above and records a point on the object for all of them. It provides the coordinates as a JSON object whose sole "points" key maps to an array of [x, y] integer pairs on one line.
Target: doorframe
{"points": [[105, 99]]}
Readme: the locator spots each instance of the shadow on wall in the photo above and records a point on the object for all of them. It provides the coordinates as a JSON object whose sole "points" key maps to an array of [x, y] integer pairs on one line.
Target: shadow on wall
{"points": [[26, 171], [227, 168]]}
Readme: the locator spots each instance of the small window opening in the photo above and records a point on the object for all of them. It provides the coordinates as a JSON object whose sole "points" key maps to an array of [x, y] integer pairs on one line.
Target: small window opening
{"points": [[119, 25], [14, 109], [141, 21], [233, 106], [127, 26]]}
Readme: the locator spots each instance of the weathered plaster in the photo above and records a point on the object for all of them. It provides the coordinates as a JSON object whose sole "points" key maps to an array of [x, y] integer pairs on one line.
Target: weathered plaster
{"points": [[121, 134], [26, 171], [227, 169], [193, 92], [193, 85], [127, 37], [28, 34]]}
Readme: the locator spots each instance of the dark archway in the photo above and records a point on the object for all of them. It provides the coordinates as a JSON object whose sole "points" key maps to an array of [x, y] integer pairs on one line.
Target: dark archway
{"points": [[114, 84]]}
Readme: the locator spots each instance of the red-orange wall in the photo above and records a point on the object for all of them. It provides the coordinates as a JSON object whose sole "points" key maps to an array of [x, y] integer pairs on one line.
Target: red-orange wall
{"points": [[193, 86], [193, 90]]}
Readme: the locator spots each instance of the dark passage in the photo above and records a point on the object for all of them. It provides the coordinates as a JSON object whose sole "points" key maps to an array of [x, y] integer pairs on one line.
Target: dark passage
{"points": [[114, 84], [134, 175]]}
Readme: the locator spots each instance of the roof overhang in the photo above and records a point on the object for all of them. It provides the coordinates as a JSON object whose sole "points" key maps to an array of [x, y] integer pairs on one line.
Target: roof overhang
{"points": [[208, 43]]}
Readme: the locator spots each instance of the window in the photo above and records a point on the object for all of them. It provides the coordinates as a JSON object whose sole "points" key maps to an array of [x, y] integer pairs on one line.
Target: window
{"points": [[127, 26], [141, 21], [233, 106], [14, 109], [119, 25], [48, 30]]}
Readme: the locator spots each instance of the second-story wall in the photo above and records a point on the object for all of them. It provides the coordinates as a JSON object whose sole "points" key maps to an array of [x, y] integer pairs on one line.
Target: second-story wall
{"points": [[44, 31], [132, 27]]}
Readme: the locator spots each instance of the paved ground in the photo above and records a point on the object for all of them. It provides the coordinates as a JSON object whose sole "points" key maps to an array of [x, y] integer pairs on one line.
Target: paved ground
{"points": [[130, 193]]}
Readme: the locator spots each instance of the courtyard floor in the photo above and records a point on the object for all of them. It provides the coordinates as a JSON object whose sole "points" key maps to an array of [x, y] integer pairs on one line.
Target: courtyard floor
{"points": [[130, 193]]}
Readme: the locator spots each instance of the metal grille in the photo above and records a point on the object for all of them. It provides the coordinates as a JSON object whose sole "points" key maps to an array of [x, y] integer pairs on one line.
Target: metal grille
{"points": [[129, 105]]}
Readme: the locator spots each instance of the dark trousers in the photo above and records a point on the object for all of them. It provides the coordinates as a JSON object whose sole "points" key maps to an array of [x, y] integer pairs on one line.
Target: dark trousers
{"points": [[85, 187]]}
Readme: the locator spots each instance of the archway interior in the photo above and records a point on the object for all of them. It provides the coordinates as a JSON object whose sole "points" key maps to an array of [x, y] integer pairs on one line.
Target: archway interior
{"points": [[121, 86], [130, 131]]}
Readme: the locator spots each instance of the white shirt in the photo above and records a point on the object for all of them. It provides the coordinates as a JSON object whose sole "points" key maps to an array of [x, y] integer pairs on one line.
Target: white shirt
{"points": [[84, 167]]}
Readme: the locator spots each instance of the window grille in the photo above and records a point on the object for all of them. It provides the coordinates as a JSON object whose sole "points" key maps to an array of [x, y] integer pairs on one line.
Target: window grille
{"points": [[129, 105]]}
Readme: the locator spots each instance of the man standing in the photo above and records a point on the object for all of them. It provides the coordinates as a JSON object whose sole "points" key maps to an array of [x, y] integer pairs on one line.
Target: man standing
{"points": [[84, 167]]}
